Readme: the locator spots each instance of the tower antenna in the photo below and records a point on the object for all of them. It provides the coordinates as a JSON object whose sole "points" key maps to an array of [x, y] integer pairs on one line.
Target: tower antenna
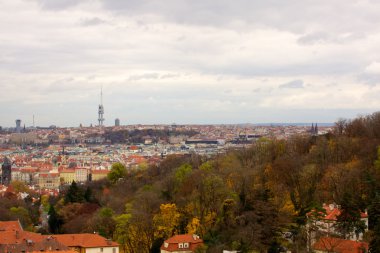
{"points": [[101, 108]]}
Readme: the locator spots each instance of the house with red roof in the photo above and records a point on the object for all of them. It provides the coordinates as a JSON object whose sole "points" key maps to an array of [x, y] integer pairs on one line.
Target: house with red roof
{"points": [[181, 244], [88, 243], [13, 239], [323, 223], [337, 245]]}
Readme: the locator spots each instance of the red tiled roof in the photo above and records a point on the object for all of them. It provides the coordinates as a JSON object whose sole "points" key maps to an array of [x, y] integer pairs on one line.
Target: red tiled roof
{"points": [[172, 243], [332, 214], [10, 226], [85, 240], [18, 236], [338, 245], [60, 251]]}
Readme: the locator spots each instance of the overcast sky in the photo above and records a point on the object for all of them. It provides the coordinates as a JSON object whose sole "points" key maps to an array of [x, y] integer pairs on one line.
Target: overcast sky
{"points": [[188, 61]]}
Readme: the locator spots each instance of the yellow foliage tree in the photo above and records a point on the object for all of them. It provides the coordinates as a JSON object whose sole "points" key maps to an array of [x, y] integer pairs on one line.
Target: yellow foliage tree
{"points": [[193, 226], [166, 221]]}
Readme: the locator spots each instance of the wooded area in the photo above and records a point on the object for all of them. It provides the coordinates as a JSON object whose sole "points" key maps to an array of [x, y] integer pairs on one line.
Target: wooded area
{"points": [[255, 198]]}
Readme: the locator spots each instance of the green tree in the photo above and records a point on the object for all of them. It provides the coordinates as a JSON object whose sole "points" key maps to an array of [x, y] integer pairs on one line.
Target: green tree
{"points": [[88, 195], [74, 194], [377, 161], [122, 231], [183, 172], [374, 224], [349, 219], [104, 222], [21, 214], [54, 220], [117, 172]]}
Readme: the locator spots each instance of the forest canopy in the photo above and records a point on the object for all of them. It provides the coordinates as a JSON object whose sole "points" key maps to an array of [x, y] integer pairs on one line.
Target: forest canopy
{"points": [[255, 198]]}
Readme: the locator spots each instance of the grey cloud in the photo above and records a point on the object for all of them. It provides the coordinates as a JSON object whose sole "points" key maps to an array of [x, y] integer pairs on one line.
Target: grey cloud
{"points": [[298, 15], [369, 79], [296, 84], [313, 38], [200, 37], [92, 21], [58, 4], [312, 67], [324, 37]]}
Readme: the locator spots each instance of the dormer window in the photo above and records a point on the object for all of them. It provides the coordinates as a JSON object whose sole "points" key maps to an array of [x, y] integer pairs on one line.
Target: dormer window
{"points": [[185, 245], [180, 245], [166, 244]]}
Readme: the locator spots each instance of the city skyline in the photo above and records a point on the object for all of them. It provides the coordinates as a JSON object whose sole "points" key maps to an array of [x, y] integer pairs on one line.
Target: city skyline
{"points": [[198, 62]]}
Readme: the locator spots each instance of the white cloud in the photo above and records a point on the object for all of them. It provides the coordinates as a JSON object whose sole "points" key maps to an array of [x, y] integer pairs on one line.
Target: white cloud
{"points": [[373, 68], [175, 60]]}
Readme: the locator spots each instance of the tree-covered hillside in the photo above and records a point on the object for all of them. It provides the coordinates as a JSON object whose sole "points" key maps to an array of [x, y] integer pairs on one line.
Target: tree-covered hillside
{"points": [[252, 200]]}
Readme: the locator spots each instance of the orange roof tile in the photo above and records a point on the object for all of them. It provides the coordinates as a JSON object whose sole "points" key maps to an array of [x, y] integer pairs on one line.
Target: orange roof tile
{"points": [[60, 251], [172, 243], [338, 245], [10, 226], [16, 237], [85, 240]]}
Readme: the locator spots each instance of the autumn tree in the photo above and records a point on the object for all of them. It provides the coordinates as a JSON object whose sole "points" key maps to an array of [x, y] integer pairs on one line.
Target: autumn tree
{"points": [[166, 221], [117, 172], [22, 214], [103, 222]]}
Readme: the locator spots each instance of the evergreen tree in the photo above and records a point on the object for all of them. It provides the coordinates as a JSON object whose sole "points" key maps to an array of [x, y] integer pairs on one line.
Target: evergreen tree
{"points": [[53, 221], [88, 194], [349, 219], [74, 194], [374, 224]]}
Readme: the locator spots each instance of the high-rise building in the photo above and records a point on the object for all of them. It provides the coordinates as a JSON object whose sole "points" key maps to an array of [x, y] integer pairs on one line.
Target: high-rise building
{"points": [[117, 122], [18, 125], [101, 109]]}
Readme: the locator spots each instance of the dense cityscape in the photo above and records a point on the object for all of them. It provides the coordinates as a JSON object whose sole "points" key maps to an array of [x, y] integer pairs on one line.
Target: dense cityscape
{"points": [[48, 157]]}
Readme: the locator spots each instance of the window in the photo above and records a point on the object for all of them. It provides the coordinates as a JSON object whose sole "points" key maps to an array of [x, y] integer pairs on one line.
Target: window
{"points": [[166, 244], [180, 245], [186, 245], [101, 249], [113, 250]]}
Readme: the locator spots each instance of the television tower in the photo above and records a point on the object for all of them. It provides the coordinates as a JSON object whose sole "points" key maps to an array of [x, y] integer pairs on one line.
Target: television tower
{"points": [[101, 109]]}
